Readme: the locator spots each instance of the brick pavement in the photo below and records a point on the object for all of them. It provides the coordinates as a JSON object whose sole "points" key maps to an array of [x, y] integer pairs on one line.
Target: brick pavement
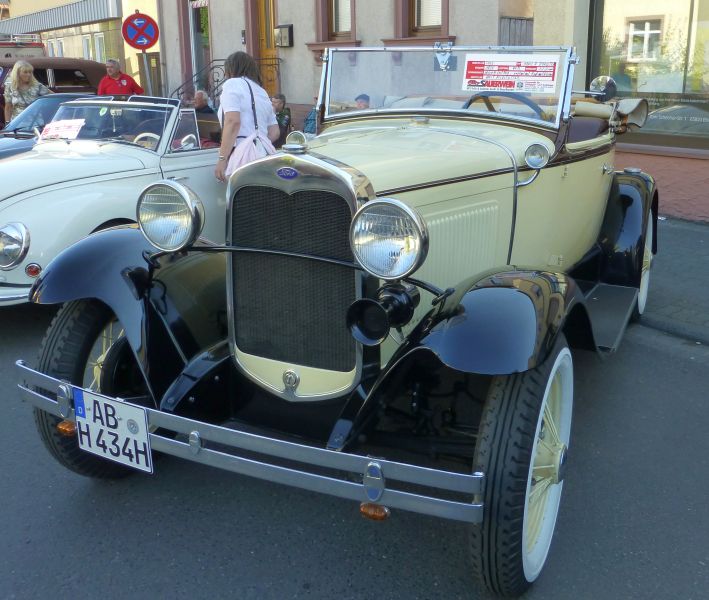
{"points": [[683, 183]]}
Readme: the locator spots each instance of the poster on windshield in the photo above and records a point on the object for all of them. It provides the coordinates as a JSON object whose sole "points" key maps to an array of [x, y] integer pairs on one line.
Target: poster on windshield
{"points": [[511, 72], [62, 130]]}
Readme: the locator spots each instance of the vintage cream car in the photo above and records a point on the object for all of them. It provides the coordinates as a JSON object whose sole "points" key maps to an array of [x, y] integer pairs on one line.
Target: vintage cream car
{"points": [[391, 316], [84, 174]]}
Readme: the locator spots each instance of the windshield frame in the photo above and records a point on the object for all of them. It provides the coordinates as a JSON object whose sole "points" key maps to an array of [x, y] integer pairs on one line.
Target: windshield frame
{"points": [[169, 110], [567, 56]]}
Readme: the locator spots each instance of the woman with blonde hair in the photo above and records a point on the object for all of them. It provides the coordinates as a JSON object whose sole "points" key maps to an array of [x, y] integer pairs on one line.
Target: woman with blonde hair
{"points": [[22, 89], [249, 125]]}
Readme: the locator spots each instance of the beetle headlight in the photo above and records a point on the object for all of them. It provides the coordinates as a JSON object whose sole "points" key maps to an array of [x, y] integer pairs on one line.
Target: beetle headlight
{"points": [[14, 244], [389, 239], [170, 215]]}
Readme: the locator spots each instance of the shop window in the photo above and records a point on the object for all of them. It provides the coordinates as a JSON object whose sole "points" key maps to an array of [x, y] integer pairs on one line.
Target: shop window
{"points": [[644, 39]]}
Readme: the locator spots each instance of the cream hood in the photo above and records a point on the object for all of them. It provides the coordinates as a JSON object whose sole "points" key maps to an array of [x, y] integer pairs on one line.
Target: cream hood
{"points": [[394, 154], [55, 163]]}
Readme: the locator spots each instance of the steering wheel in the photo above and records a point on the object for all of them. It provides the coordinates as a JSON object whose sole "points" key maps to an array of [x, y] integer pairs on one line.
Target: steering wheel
{"points": [[188, 142], [147, 135], [485, 97]]}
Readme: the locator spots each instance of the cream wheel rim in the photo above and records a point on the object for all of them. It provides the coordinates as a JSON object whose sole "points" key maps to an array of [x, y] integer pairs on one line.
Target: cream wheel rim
{"points": [[647, 265], [109, 335], [548, 461]]}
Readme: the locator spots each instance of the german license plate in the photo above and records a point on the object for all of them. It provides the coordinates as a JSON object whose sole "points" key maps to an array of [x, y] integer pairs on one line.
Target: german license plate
{"points": [[113, 430]]}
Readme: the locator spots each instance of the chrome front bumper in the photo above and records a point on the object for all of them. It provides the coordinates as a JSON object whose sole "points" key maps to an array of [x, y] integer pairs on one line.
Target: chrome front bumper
{"points": [[14, 295], [376, 474]]}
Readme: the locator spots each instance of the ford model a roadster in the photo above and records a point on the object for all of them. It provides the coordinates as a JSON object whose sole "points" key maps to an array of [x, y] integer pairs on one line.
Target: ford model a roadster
{"points": [[390, 319]]}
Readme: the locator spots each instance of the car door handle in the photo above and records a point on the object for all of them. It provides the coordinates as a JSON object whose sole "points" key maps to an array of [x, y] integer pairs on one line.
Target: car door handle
{"points": [[608, 169], [177, 178]]}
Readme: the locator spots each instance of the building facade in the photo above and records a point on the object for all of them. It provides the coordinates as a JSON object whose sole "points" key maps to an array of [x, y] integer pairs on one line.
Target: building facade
{"points": [[88, 29]]}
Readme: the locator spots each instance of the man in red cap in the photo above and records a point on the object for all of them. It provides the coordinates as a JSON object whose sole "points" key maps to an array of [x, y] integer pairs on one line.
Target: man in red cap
{"points": [[115, 83]]}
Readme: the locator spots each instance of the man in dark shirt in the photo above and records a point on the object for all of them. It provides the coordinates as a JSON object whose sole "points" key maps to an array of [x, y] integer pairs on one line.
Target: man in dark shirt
{"points": [[116, 83], [201, 103], [283, 117]]}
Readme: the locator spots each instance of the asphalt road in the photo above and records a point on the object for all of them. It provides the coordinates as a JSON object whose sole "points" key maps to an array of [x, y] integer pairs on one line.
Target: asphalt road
{"points": [[633, 522]]}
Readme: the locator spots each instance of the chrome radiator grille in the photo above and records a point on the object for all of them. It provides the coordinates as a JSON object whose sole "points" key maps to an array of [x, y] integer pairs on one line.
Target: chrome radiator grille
{"points": [[286, 308]]}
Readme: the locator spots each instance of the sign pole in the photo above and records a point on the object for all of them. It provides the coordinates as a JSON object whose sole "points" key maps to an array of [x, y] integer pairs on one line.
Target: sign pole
{"points": [[148, 78]]}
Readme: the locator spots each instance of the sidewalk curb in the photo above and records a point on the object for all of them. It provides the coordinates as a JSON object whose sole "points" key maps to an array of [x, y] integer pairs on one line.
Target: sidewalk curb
{"points": [[688, 331]]}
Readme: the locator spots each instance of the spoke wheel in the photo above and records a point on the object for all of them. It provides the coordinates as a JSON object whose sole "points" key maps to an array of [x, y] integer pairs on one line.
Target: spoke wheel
{"points": [[522, 449], [648, 256], [85, 345]]}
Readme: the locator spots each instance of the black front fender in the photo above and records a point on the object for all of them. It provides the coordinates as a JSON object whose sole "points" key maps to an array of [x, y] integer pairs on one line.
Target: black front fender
{"points": [[506, 322], [169, 314]]}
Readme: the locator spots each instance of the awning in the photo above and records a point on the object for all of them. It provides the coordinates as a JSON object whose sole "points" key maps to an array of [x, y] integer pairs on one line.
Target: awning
{"points": [[68, 15], [199, 3]]}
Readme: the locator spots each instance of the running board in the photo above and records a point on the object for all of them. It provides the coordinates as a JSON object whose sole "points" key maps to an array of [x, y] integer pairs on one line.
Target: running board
{"points": [[609, 308]]}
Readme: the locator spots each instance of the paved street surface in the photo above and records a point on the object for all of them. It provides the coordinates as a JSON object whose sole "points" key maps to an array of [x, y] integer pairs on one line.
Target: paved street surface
{"points": [[633, 523]]}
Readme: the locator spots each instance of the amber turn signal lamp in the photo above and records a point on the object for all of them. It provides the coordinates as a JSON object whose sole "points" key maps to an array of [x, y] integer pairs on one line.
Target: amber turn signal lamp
{"points": [[67, 428], [376, 512]]}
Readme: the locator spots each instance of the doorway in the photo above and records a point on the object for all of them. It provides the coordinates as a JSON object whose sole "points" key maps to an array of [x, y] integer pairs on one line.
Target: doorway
{"points": [[200, 42], [267, 56]]}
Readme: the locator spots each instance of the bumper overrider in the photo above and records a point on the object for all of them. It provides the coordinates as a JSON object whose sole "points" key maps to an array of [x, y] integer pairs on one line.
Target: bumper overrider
{"points": [[447, 495]]}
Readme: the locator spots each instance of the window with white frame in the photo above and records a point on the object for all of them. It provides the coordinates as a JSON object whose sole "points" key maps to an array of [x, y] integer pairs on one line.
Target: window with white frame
{"points": [[50, 48], [60, 47], [340, 19], [86, 47], [99, 48], [425, 15], [644, 39]]}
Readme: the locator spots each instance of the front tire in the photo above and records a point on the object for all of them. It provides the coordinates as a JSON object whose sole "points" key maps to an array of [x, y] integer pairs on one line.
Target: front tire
{"points": [[75, 349], [522, 445]]}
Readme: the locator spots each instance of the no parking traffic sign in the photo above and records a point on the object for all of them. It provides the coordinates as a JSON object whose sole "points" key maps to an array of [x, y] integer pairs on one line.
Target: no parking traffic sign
{"points": [[140, 31]]}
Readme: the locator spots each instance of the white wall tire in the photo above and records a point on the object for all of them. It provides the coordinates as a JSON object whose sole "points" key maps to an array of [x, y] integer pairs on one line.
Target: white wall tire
{"points": [[646, 266], [522, 448]]}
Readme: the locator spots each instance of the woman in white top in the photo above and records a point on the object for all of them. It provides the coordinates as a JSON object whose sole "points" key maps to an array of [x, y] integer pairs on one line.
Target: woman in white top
{"points": [[243, 98]]}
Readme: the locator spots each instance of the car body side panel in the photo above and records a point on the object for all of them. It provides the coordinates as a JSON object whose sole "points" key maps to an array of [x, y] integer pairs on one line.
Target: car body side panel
{"points": [[559, 215], [60, 215]]}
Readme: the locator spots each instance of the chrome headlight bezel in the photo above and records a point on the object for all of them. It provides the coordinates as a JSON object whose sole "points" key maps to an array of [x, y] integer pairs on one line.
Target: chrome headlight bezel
{"points": [[21, 234], [418, 225], [536, 156], [193, 206]]}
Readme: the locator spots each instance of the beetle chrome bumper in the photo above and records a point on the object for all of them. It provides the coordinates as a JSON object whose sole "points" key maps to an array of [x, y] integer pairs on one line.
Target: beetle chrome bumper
{"points": [[376, 474]]}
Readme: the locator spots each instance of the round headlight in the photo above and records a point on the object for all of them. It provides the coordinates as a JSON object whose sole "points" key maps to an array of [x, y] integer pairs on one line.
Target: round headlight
{"points": [[14, 244], [170, 215], [389, 239], [536, 156]]}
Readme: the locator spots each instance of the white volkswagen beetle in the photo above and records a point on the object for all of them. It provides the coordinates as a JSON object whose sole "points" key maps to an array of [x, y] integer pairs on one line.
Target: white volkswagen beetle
{"points": [[84, 174]]}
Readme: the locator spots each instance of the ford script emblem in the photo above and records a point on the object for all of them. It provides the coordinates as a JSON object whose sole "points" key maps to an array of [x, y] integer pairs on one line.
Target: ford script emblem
{"points": [[291, 380], [287, 173]]}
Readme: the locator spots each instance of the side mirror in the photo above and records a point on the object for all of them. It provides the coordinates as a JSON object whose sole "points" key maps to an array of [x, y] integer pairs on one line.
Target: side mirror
{"points": [[603, 88]]}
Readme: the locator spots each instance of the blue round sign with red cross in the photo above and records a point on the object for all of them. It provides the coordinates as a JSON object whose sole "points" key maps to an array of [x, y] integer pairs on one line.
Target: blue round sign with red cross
{"points": [[140, 31]]}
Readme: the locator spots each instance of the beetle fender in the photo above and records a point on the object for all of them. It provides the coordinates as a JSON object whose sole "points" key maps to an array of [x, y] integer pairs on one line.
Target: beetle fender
{"points": [[506, 322]]}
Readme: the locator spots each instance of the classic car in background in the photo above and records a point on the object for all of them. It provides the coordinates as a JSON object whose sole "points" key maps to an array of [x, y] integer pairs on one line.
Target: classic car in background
{"points": [[391, 315], [23, 131], [59, 74], [85, 172]]}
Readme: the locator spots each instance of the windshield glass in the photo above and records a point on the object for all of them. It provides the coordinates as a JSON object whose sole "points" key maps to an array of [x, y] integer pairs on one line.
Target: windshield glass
{"points": [[37, 114], [142, 125], [521, 83]]}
